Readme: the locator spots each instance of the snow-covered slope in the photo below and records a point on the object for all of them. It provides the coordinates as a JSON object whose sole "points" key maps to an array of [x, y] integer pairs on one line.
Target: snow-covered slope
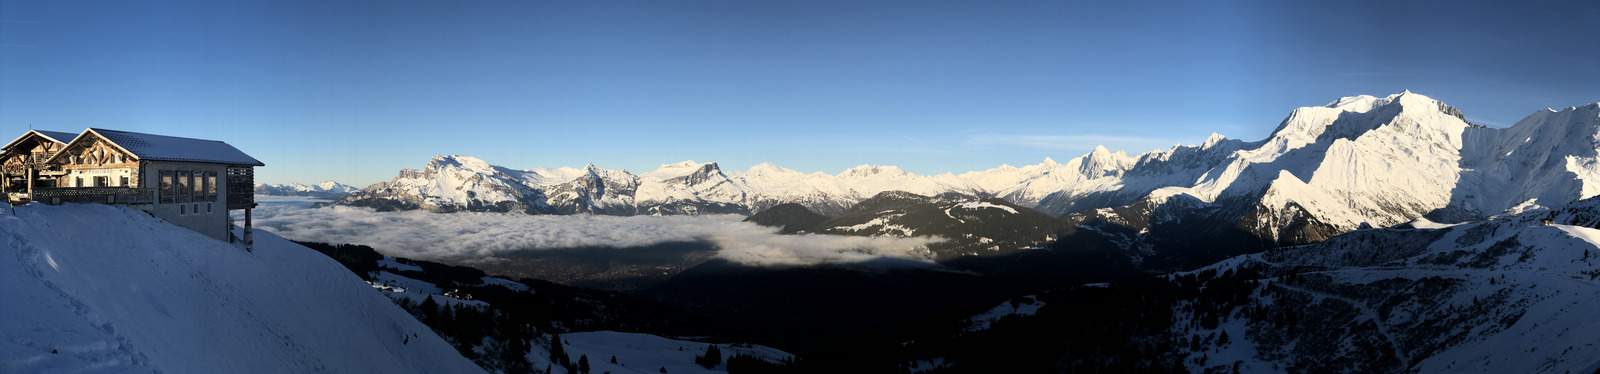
{"points": [[107, 289], [644, 353], [1503, 296]]}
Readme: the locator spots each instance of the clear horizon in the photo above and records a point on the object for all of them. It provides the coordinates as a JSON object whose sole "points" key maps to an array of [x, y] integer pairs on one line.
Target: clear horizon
{"points": [[354, 91]]}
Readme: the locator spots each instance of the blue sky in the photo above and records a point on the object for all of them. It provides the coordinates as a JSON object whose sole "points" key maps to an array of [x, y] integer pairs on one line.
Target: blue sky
{"points": [[355, 90]]}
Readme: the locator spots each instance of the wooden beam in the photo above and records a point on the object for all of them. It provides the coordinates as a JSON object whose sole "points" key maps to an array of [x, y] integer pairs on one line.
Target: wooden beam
{"points": [[104, 166]]}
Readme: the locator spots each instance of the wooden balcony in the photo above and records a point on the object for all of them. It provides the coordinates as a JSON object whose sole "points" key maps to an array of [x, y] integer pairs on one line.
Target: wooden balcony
{"points": [[241, 187], [98, 195]]}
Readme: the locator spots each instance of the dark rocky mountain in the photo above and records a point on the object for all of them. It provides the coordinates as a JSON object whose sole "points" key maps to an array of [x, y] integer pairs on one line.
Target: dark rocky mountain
{"points": [[790, 217], [969, 225]]}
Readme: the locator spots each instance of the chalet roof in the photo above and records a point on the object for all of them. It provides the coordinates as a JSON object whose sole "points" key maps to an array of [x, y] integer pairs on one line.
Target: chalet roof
{"points": [[151, 147], [56, 136]]}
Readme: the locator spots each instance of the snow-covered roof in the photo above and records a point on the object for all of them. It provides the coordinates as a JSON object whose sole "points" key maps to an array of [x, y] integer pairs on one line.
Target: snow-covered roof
{"points": [[151, 147], [56, 136]]}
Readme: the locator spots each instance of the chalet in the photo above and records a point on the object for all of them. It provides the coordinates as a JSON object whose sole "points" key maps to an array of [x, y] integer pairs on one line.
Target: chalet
{"points": [[192, 183], [22, 160]]}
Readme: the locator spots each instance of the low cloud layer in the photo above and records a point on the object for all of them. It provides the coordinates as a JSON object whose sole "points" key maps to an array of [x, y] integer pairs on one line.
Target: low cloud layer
{"points": [[479, 236]]}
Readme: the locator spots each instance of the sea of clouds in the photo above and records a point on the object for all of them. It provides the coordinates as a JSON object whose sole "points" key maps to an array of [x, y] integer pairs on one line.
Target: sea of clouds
{"points": [[470, 237]]}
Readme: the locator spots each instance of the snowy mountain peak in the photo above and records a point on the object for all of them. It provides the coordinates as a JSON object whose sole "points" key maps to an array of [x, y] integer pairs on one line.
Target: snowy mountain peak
{"points": [[674, 170], [705, 172], [768, 168], [1366, 103], [1211, 141], [1102, 162], [1416, 116], [872, 170], [1358, 103], [459, 162], [329, 185], [1047, 161]]}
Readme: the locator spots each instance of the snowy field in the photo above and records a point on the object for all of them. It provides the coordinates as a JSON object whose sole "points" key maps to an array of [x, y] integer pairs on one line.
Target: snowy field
{"points": [[97, 288], [650, 353]]}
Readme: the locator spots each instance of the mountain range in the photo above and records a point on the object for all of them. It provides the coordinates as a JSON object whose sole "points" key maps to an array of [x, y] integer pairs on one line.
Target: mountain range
{"points": [[1355, 162], [324, 189]]}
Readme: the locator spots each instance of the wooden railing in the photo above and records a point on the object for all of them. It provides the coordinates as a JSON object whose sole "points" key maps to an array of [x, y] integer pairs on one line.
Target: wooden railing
{"points": [[99, 195]]}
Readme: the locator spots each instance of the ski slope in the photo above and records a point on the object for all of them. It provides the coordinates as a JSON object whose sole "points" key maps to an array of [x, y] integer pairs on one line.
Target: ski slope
{"points": [[97, 288]]}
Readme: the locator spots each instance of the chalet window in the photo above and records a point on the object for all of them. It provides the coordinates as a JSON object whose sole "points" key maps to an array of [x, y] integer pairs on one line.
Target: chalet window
{"points": [[183, 209], [124, 181], [199, 187], [211, 187], [102, 181], [208, 207], [166, 187], [77, 181], [183, 186]]}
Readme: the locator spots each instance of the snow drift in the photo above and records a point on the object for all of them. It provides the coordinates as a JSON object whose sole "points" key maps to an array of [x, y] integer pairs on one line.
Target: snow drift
{"points": [[109, 289]]}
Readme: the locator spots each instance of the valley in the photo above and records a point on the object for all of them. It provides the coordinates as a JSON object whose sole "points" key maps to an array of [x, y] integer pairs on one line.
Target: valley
{"points": [[1192, 252]]}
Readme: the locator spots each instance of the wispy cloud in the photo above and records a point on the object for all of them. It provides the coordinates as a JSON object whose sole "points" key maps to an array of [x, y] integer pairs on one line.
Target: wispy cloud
{"points": [[483, 236], [1086, 142]]}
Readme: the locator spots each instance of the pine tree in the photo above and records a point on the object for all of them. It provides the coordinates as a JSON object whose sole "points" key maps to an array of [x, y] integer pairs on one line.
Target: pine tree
{"points": [[663, 369], [613, 359], [1222, 340], [712, 357], [557, 353], [430, 311], [583, 364]]}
